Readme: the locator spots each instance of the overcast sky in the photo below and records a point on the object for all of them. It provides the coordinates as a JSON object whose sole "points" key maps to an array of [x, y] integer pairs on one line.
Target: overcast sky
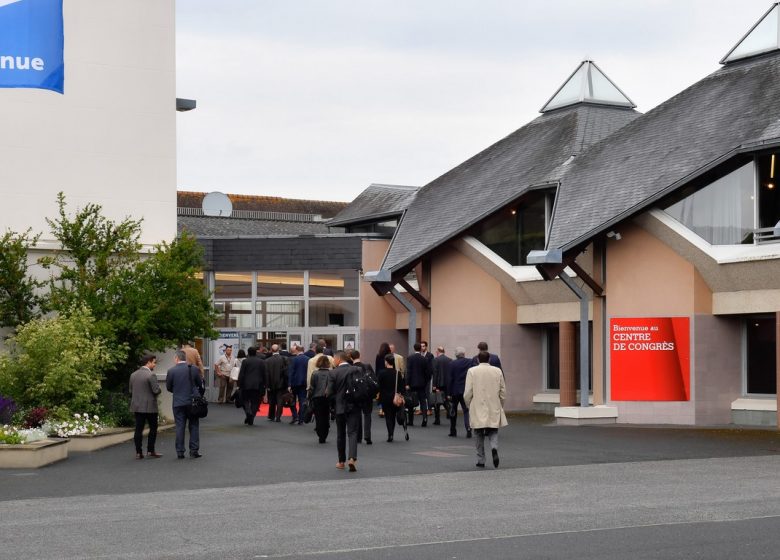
{"points": [[319, 98]]}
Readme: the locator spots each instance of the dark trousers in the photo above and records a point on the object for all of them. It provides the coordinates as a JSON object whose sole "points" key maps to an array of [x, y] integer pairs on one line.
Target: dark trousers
{"points": [[275, 407], [364, 426], [140, 419], [347, 427], [458, 399], [322, 418], [299, 397], [183, 420], [391, 411], [422, 397], [251, 398]]}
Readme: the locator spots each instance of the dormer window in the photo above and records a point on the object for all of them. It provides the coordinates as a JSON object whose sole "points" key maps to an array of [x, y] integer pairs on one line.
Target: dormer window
{"points": [[518, 229], [741, 207]]}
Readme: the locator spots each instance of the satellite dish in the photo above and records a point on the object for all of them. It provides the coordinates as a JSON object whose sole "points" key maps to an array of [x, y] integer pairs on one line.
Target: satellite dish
{"points": [[217, 204]]}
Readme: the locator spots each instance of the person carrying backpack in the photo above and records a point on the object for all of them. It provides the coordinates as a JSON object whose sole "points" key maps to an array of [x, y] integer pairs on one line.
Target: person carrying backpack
{"points": [[345, 389], [366, 406]]}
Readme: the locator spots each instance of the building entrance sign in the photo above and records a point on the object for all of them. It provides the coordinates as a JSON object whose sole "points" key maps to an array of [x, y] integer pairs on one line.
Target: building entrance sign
{"points": [[31, 44], [650, 359]]}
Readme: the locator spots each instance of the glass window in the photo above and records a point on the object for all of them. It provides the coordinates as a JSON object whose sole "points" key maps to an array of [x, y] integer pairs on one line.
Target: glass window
{"points": [[333, 313], [232, 285], [722, 212], [761, 355], [761, 39], [279, 314], [769, 191], [279, 283], [233, 314], [334, 283], [514, 232]]}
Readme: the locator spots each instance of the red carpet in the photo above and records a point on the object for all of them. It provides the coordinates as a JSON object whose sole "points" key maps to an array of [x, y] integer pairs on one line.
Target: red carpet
{"points": [[264, 411]]}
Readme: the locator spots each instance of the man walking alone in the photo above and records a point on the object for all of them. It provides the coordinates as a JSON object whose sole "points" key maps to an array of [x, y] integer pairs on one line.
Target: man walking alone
{"points": [[485, 395]]}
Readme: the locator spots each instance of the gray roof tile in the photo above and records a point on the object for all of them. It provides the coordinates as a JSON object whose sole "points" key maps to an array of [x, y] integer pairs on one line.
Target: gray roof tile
{"points": [[529, 156], [736, 105], [209, 226], [376, 202]]}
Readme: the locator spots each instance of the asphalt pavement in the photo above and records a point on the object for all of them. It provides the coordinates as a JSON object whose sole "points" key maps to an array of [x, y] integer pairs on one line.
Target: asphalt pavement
{"points": [[270, 490]]}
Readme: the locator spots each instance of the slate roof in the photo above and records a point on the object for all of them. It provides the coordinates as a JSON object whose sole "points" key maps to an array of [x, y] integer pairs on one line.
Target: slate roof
{"points": [[733, 107], [326, 209], [528, 157], [376, 202], [209, 226]]}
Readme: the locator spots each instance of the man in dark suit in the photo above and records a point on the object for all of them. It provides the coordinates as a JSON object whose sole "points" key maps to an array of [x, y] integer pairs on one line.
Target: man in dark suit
{"points": [[418, 375], [441, 369], [348, 416], [185, 382], [276, 382], [144, 390], [325, 349], [252, 382], [494, 359], [456, 386]]}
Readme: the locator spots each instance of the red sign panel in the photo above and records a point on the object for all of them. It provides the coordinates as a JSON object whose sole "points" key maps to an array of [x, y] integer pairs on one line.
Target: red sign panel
{"points": [[650, 359]]}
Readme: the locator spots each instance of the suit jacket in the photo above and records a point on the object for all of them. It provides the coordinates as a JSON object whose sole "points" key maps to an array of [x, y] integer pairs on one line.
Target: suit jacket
{"points": [[485, 395], [184, 381], [144, 390], [337, 386], [456, 380], [251, 376], [276, 372], [418, 372], [387, 385], [441, 370], [493, 361], [296, 373]]}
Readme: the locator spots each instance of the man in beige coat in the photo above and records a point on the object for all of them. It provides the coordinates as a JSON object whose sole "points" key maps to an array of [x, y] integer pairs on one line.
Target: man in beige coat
{"points": [[484, 395]]}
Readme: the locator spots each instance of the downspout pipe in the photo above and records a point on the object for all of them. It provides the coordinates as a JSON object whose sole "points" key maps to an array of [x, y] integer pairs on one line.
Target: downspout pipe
{"points": [[584, 338], [412, 318]]}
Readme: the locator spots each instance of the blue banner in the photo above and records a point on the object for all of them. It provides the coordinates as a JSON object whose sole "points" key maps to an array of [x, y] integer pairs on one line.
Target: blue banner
{"points": [[31, 44]]}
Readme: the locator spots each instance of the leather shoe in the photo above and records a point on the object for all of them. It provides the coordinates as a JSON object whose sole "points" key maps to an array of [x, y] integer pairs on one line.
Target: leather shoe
{"points": [[369, 442], [293, 421], [468, 434], [495, 457], [453, 434], [352, 465], [481, 465], [389, 439], [195, 455], [424, 422], [139, 455], [180, 456], [154, 454], [340, 466]]}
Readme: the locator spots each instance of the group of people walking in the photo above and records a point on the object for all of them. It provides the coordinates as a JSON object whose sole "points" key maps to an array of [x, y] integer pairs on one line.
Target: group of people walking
{"points": [[327, 387]]}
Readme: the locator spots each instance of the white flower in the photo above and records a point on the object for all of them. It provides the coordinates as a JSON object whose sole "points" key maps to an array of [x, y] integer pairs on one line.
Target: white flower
{"points": [[77, 415]]}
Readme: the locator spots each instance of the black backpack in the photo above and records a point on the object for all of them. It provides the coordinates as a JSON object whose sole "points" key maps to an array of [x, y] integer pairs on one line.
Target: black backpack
{"points": [[362, 385]]}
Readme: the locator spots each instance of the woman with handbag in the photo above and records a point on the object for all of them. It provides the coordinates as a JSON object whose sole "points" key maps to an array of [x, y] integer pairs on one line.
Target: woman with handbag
{"points": [[320, 403], [391, 400]]}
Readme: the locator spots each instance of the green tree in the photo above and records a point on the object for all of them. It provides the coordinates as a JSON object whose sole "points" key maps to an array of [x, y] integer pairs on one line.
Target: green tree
{"points": [[20, 296], [57, 362], [146, 302]]}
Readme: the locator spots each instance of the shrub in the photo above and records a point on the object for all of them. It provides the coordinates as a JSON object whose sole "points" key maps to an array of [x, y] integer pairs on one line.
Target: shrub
{"points": [[57, 362], [115, 408], [35, 417], [7, 409]]}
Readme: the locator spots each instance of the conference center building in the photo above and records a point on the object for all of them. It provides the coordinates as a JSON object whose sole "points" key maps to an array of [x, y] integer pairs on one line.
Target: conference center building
{"points": [[626, 261]]}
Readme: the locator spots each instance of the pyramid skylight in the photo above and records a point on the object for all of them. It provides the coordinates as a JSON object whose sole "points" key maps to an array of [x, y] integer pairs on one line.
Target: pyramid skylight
{"points": [[588, 84], [763, 37]]}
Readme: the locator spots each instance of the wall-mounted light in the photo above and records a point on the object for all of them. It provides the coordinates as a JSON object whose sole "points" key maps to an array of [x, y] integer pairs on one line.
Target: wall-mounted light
{"points": [[770, 186], [513, 211], [615, 234]]}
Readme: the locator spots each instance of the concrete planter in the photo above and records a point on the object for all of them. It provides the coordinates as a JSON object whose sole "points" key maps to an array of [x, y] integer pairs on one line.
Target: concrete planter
{"points": [[105, 438], [33, 455]]}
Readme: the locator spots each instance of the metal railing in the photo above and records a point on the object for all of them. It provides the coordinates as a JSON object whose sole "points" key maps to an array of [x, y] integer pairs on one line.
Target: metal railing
{"points": [[767, 235], [256, 215]]}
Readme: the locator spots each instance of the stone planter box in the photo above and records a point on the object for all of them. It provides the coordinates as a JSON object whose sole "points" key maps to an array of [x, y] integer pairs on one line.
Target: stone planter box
{"points": [[33, 455], [105, 438]]}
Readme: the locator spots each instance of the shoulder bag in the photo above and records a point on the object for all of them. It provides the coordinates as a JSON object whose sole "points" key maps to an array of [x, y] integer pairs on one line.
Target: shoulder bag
{"points": [[199, 407]]}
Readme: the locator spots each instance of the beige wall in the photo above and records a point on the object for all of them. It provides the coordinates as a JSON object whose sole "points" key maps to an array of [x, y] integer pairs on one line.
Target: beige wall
{"points": [[646, 278], [111, 138], [468, 305], [377, 316]]}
